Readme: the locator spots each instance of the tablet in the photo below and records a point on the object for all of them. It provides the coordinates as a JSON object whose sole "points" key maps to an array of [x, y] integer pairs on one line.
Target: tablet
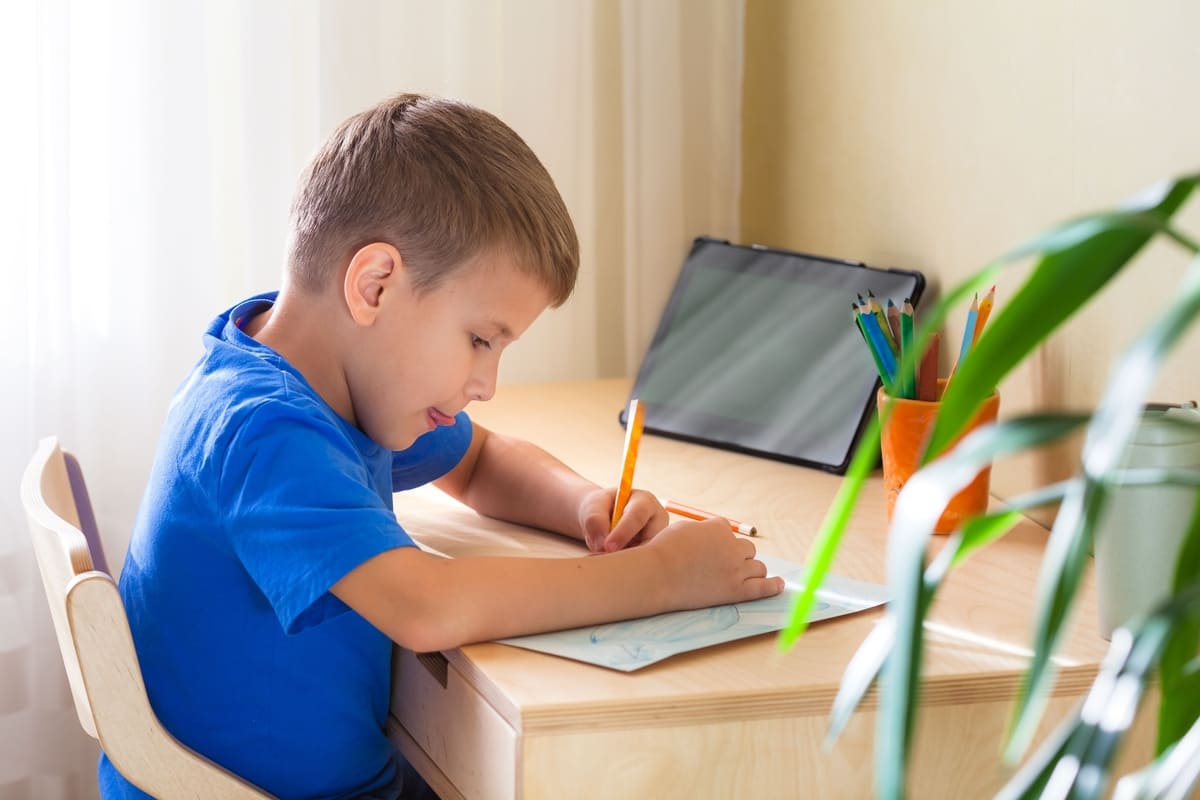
{"points": [[757, 352]]}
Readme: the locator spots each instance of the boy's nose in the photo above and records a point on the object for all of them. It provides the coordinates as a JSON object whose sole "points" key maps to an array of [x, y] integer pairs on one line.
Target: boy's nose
{"points": [[483, 382]]}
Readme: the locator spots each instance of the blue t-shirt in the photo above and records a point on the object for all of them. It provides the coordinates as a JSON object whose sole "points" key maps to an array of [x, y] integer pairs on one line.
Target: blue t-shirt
{"points": [[260, 498]]}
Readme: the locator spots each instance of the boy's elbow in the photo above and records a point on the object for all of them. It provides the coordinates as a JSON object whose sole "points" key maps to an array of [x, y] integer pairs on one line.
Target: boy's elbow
{"points": [[426, 635], [403, 595]]}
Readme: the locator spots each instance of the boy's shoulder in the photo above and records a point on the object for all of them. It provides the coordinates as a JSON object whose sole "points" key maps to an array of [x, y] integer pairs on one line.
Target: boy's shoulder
{"points": [[241, 395], [236, 380]]}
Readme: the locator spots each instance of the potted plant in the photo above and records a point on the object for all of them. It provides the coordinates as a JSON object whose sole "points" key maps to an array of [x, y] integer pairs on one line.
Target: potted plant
{"points": [[1074, 261]]}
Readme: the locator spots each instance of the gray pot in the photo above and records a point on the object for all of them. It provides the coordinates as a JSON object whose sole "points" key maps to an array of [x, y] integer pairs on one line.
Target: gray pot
{"points": [[1142, 527]]}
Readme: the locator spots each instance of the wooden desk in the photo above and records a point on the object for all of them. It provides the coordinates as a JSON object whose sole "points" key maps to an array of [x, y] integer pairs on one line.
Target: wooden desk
{"points": [[740, 719]]}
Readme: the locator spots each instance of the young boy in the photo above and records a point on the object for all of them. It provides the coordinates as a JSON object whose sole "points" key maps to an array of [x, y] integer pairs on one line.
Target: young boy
{"points": [[267, 576]]}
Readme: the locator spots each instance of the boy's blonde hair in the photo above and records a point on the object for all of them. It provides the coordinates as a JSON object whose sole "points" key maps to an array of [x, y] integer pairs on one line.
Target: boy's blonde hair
{"points": [[440, 180]]}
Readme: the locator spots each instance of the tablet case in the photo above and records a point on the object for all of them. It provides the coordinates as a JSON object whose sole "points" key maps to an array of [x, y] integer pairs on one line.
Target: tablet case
{"points": [[756, 351]]}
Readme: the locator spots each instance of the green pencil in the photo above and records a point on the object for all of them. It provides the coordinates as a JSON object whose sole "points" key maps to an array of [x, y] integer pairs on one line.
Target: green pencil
{"points": [[908, 382]]}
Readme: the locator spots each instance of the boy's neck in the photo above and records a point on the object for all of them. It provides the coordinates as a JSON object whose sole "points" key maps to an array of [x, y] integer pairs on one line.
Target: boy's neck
{"points": [[304, 328]]}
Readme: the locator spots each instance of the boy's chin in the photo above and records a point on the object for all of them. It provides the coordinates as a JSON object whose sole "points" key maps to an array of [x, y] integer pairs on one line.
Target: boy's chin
{"points": [[401, 441], [401, 436]]}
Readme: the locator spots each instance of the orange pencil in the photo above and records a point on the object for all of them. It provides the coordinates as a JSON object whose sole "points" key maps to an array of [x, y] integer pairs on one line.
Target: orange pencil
{"points": [[633, 437], [694, 513], [893, 318], [985, 308]]}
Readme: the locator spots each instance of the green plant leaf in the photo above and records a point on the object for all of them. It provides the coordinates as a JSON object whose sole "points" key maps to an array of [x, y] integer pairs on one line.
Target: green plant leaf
{"points": [[868, 659], [1071, 536], [824, 548], [1171, 776], [1078, 259], [917, 510], [860, 675], [1029, 782], [1075, 760], [1180, 676], [981, 531]]}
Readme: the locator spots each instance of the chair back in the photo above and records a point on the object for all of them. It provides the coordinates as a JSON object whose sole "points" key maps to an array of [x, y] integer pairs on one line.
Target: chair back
{"points": [[96, 643], [62, 553]]}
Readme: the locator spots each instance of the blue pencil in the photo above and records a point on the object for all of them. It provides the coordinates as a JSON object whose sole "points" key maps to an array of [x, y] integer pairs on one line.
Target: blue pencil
{"points": [[880, 345], [858, 322], [968, 331]]}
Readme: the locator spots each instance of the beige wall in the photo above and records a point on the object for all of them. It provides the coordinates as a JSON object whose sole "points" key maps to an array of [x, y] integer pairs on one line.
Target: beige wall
{"points": [[934, 134]]}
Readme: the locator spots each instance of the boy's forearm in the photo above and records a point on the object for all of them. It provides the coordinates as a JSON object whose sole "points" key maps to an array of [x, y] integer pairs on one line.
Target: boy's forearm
{"points": [[425, 602], [519, 482]]}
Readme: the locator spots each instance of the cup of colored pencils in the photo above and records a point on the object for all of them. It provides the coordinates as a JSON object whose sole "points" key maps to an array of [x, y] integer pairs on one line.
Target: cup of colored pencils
{"points": [[915, 399]]}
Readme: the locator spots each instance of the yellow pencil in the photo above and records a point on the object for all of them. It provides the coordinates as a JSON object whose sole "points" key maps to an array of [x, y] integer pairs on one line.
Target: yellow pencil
{"points": [[876, 309], [633, 437]]}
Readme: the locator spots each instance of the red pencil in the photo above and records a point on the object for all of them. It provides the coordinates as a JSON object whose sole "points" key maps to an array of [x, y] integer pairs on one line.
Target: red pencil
{"points": [[927, 385]]}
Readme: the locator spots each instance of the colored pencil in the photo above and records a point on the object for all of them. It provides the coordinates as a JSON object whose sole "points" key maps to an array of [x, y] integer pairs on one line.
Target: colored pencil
{"points": [[968, 331], [985, 310], [927, 376], [879, 367], [881, 318], [633, 437], [893, 318], [908, 381], [694, 513], [879, 343]]}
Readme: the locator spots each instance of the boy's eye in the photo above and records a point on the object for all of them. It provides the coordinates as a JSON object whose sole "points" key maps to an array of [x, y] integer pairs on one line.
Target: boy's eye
{"points": [[477, 341]]}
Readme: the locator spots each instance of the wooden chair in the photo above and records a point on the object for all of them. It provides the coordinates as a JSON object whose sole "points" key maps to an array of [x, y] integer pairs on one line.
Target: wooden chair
{"points": [[96, 644]]}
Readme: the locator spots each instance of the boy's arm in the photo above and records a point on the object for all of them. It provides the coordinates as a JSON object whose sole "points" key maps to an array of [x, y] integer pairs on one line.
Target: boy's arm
{"points": [[426, 602], [514, 480]]}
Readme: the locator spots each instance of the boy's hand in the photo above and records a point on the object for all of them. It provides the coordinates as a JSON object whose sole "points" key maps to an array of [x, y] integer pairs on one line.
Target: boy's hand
{"points": [[706, 564], [642, 519]]}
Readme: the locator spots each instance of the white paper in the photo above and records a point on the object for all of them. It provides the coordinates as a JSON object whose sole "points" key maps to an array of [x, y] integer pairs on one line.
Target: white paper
{"points": [[636, 643]]}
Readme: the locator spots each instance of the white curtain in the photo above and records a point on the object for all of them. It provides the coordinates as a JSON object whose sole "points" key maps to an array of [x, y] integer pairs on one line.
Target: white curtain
{"points": [[151, 151]]}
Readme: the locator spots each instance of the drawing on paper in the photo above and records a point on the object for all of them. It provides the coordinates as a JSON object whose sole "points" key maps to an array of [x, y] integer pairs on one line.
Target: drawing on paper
{"points": [[632, 644]]}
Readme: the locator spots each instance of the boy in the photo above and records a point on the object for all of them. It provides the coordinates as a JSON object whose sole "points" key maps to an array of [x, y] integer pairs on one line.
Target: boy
{"points": [[267, 575]]}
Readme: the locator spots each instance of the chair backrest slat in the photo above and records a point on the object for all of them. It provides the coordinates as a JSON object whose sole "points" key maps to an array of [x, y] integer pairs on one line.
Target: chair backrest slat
{"points": [[83, 511]]}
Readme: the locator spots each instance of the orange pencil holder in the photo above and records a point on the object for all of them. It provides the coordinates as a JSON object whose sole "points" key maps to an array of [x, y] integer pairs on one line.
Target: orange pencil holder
{"points": [[904, 435]]}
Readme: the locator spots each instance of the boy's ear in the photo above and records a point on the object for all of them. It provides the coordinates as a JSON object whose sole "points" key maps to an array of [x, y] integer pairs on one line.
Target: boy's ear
{"points": [[375, 268]]}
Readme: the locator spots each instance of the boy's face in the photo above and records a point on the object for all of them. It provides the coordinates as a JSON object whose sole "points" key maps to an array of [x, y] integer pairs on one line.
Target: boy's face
{"points": [[430, 355]]}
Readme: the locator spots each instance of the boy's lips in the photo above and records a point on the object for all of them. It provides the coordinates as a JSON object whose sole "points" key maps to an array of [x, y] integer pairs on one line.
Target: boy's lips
{"points": [[438, 418]]}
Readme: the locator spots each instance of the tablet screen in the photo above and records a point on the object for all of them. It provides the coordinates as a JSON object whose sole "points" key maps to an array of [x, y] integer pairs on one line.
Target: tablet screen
{"points": [[757, 351]]}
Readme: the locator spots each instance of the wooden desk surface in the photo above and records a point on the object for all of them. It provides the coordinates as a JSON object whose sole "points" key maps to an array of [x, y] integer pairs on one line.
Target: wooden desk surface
{"points": [[978, 633], [739, 719]]}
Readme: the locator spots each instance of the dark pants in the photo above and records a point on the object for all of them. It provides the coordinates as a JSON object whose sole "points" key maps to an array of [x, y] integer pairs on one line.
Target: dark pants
{"points": [[409, 785]]}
